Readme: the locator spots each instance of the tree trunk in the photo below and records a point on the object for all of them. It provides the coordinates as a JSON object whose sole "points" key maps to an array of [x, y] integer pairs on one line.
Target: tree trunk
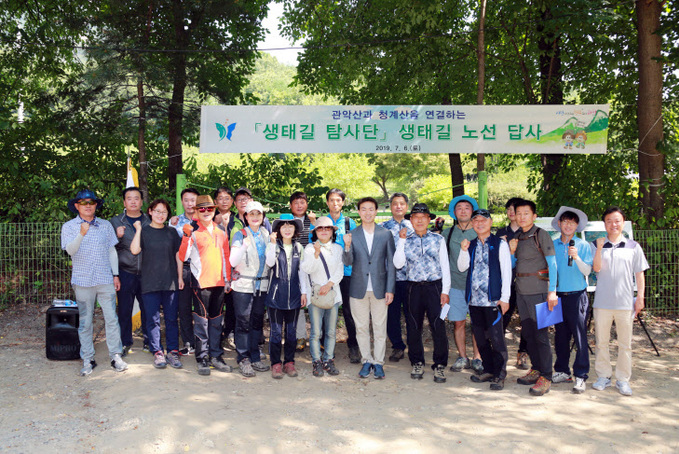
{"points": [[143, 166], [176, 110], [649, 109]]}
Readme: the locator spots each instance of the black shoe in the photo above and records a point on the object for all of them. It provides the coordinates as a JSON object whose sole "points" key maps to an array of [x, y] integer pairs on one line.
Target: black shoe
{"points": [[354, 355], [126, 350], [329, 367], [496, 384], [203, 366], [318, 369], [481, 378], [396, 355]]}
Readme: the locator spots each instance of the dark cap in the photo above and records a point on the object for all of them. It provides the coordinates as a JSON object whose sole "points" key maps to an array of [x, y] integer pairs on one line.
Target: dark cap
{"points": [[242, 190], [481, 212], [420, 208]]}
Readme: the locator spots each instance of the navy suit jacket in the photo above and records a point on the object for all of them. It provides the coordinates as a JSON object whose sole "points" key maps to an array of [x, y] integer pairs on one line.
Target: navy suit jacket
{"points": [[378, 264]]}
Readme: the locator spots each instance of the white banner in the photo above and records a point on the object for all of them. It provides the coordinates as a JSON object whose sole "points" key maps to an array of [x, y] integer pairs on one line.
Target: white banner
{"points": [[536, 129]]}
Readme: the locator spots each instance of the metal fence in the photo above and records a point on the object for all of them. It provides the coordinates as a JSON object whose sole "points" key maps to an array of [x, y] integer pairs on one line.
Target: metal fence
{"points": [[34, 269]]}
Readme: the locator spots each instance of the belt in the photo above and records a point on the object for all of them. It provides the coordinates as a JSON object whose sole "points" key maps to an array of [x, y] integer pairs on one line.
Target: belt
{"points": [[424, 282], [261, 278], [541, 274], [570, 293]]}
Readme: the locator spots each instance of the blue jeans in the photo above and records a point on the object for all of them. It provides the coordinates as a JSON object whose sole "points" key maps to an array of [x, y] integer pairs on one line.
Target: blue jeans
{"points": [[394, 315], [152, 303], [249, 311], [130, 288], [106, 295], [320, 318], [574, 307]]}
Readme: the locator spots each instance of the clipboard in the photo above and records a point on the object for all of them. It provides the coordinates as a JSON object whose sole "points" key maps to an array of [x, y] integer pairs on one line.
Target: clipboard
{"points": [[545, 317]]}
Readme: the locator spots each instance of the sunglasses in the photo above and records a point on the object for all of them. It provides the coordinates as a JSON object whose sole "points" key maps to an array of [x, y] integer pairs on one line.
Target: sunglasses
{"points": [[208, 209], [324, 228], [86, 202]]}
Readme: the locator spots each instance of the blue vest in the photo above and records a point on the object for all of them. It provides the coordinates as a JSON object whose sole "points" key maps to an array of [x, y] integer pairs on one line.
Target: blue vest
{"points": [[285, 293], [494, 273]]}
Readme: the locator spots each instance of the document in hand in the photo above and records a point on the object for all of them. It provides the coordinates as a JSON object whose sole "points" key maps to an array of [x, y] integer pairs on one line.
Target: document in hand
{"points": [[545, 317]]}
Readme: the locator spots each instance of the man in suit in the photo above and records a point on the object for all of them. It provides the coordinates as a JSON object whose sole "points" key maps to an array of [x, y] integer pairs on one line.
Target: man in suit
{"points": [[373, 280]]}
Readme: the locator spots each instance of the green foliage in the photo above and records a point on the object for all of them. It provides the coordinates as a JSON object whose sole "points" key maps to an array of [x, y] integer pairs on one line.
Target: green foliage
{"points": [[349, 172]]}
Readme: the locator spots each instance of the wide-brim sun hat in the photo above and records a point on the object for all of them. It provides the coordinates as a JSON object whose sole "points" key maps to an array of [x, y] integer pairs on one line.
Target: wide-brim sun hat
{"points": [[420, 208], [289, 219], [461, 198], [84, 194], [581, 215], [204, 201], [325, 221], [254, 206]]}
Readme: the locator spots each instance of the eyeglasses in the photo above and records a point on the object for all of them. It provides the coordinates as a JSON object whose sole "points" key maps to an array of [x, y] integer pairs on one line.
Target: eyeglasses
{"points": [[324, 228], [86, 202], [160, 212], [225, 198], [208, 209], [243, 199]]}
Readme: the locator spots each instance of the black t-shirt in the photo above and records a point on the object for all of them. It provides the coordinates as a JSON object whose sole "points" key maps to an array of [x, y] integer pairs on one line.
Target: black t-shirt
{"points": [[158, 264]]}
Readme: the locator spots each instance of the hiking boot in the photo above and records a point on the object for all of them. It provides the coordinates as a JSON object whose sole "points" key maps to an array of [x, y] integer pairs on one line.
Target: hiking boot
{"points": [[277, 371], [439, 374], [623, 387], [530, 378], [396, 355], [187, 350], [172, 359], [88, 366], [365, 370], [159, 360], [497, 384], [219, 364], [126, 350], [579, 386], [561, 377], [118, 364], [541, 387], [354, 355], [259, 366], [330, 368], [246, 369], [477, 366], [318, 368], [481, 378], [522, 361], [418, 371], [203, 366], [301, 345], [289, 369], [602, 383], [379, 371], [460, 363]]}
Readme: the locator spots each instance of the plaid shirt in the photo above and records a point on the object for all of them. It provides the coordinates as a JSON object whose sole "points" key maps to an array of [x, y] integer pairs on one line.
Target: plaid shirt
{"points": [[395, 228], [91, 265]]}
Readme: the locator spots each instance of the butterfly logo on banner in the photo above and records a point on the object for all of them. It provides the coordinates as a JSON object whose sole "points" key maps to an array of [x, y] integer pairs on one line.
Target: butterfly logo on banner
{"points": [[225, 130]]}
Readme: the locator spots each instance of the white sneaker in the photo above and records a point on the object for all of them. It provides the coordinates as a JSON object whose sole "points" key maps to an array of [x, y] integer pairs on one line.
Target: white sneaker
{"points": [[561, 377], [601, 383], [623, 387], [579, 386], [88, 365], [117, 363]]}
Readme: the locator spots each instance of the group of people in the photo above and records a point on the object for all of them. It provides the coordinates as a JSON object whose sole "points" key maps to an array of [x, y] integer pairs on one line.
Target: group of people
{"points": [[214, 272]]}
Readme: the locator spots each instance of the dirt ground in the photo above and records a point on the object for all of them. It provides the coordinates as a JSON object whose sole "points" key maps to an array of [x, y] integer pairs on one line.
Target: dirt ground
{"points": [[47, 407]]}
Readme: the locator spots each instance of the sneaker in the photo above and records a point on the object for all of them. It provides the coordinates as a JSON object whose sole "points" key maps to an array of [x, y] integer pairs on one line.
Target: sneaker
{"points": [[482, 378], [88, 366], [159, 360], [146, 348], [262, 356], [172, 359], [118, 364], [246, 369], [439, 376], [330, 368], [579, 386], [203, 366], [126, 350], [187, 350], [561, 377], [365, 370], [522, 361], [541, 387], [318, 368], [460, 363], [289, 369], [301, 345], [379, 371], [219, 364], [418, 371], [396, 355], [259, 366], [601, 383], [477, 365], [530, 378], [354, 355], [277, 371], [623, 387], [497, 384]]}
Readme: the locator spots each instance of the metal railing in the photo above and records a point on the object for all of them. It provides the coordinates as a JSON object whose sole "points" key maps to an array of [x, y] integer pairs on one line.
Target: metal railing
{"points": [[34, 269]]}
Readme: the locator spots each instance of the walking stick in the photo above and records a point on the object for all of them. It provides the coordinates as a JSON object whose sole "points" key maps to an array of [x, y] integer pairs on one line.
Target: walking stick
{"points": [[643, 325]]}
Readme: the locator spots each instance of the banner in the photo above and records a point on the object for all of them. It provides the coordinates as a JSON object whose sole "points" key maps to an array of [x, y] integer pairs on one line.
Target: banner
{"points": [[535, 129]]}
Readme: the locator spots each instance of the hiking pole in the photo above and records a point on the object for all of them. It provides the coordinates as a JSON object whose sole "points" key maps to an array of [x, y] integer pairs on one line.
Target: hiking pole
{"points": [[643, 325]]}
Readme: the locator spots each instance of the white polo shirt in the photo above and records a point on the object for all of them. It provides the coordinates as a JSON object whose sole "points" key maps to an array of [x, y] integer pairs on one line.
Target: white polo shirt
{"points": [[615, 282]]}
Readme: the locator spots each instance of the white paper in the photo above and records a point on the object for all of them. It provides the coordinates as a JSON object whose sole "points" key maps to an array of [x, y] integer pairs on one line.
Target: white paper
{"points": [[444, 311]]}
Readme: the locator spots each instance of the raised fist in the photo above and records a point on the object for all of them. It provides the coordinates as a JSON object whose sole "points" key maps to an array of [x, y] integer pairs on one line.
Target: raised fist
{"points": [[84, 227], [347, 240], [600, 242], [137, 225], [120, 231], [312, 217], [403, 233], [512, 245], [273, 236], [464, 245], [187, 229]]}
